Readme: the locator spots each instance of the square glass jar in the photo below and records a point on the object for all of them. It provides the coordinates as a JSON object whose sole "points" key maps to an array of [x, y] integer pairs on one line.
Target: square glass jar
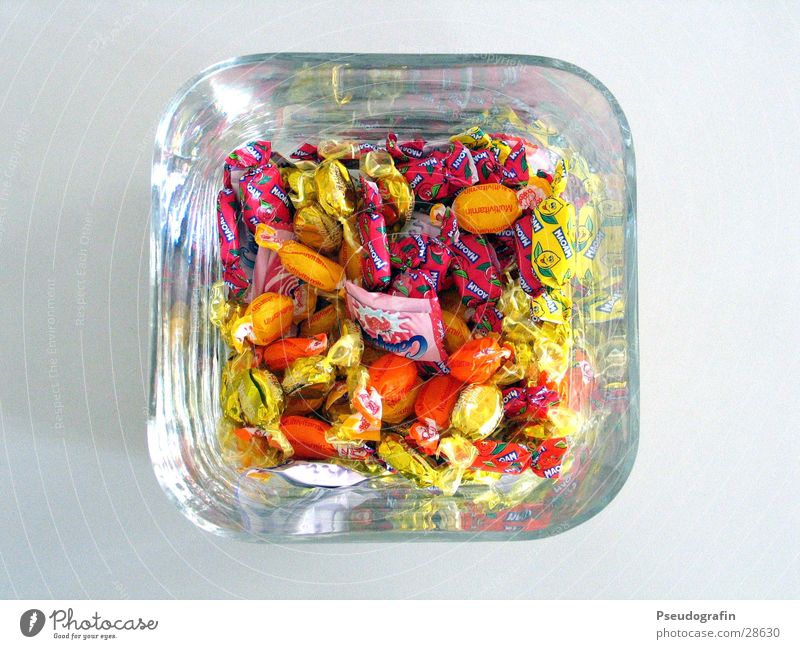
{"points": [[293, 98]]}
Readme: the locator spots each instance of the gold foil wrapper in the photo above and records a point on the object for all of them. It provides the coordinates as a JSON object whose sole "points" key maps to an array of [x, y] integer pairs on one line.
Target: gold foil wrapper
{"points": [[335, 191]]}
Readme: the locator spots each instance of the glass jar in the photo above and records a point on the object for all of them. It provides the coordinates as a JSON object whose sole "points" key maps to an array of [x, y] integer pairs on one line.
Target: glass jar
{"points": [[292, 98]]}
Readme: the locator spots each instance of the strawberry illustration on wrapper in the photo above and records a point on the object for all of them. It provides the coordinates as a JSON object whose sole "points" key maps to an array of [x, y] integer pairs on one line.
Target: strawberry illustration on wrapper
{"points": [[406, 326]]}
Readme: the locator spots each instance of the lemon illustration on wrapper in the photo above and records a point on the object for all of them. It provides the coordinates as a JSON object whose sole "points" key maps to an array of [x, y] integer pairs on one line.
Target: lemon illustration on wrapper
{"points": [[553, 241]]}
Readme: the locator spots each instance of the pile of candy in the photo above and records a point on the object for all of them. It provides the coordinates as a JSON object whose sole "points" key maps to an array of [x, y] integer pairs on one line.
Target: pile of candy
{"points": [[403, 307]]}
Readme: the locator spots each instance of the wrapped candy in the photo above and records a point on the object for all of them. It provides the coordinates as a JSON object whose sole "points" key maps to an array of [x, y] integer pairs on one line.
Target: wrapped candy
{"points": [[547, 459], [411, 327], [252, 397], [302, 261], [477, 360], [440, 174], [229, 245], [264, 199], [396, 195], [530, 402], [475, 270], [335, 191], [280, 354], [317, 229], [501, 457], [375, 263], [484, 209], [478, 411], [266, 319], [310, 376]]}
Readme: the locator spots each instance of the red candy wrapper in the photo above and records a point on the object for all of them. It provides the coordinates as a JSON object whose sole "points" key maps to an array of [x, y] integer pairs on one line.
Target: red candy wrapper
{"points": [[501, 457], [440, 174], [523, 241], [306, 152], [405, 151], [529, 402], [264, 199], [476, 276], [422, 252], [547, 458], [410, 327], [375, 262], [414, 283], [487, 319], [251, 155], [233, 275]]}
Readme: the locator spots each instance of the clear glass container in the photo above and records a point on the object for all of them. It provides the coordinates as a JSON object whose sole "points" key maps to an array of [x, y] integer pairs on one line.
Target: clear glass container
{"points": [[292, 98]]}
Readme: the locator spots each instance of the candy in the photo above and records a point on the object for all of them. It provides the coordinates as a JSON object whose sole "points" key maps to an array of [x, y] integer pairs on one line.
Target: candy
{"points": [[230, 254], [302, 261], [482, 209], [375, 264], [478, 411], [395, 192], [440, 174], [476, 361], [267, 318], [395, 412], [307, 437], [523, 244], [249, 156], [476, 276], [311, 376], [529, 402], [436, 400], [322, 321], [392, 376], [317, 229], [252, 397], [280, 354], [553, 254], [263, 198], [456, 332], [410, 327], [335, 191], [548, 456], [501, 457]]}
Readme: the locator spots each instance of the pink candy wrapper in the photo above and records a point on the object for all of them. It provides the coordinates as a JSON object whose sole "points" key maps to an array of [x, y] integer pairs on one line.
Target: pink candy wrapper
{"points": [[406, 326]]}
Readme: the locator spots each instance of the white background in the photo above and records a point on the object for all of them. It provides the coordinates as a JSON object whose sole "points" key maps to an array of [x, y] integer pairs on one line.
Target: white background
{"points": [[711, 508]]}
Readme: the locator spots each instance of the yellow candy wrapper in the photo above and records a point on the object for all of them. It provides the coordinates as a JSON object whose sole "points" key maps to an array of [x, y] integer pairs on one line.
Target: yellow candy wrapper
{"points": [[317, 229], [478, 411], [335, 192], [310, 376], [553, 242]]}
